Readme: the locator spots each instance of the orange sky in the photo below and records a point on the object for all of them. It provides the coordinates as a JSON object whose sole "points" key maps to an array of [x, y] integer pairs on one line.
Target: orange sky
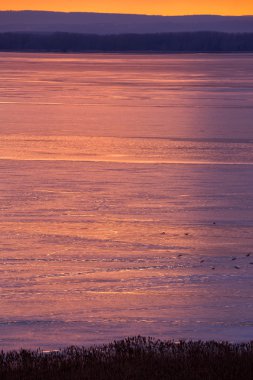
{"points": [[165, 7]]}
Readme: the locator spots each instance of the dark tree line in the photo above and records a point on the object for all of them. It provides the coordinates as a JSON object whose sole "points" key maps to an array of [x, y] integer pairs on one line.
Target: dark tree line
{"points": [[159, 42]]}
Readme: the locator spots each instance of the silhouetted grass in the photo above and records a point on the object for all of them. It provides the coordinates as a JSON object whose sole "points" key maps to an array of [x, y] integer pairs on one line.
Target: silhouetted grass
{"points": [[134, 358]]}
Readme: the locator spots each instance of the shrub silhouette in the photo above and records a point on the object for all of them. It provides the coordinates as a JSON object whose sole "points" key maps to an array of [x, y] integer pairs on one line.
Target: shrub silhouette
{"points": [[135, 358]]}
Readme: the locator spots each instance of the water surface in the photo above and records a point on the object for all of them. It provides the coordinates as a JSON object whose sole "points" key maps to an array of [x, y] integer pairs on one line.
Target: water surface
{"points": [[126, 198]]}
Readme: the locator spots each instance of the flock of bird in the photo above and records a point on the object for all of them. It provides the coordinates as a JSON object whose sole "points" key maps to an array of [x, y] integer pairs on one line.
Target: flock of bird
{"points": [[232, 259]]}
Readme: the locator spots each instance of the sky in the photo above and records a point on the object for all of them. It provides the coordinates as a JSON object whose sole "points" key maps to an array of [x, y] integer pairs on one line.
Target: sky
{"points": [[161, 7]]}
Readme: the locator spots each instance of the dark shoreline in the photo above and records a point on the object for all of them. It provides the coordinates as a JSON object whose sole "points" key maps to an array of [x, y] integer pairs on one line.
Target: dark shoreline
{"points": [[136, 358], [144, 53], [156, 43]]}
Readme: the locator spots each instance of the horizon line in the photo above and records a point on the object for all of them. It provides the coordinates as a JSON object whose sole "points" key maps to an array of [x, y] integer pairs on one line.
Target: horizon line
{"points": [[124, 13]]}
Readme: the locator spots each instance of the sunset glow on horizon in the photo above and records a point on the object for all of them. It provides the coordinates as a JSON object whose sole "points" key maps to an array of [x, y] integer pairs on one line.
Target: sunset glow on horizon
{"points": [[160, 7]]}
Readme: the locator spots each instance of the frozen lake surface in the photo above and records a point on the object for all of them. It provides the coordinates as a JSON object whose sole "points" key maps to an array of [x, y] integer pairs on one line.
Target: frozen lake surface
{"points": [[126, 198]]}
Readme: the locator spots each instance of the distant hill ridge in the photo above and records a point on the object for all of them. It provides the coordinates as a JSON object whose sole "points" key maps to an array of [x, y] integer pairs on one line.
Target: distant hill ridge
{"points": [[105, 23]]}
